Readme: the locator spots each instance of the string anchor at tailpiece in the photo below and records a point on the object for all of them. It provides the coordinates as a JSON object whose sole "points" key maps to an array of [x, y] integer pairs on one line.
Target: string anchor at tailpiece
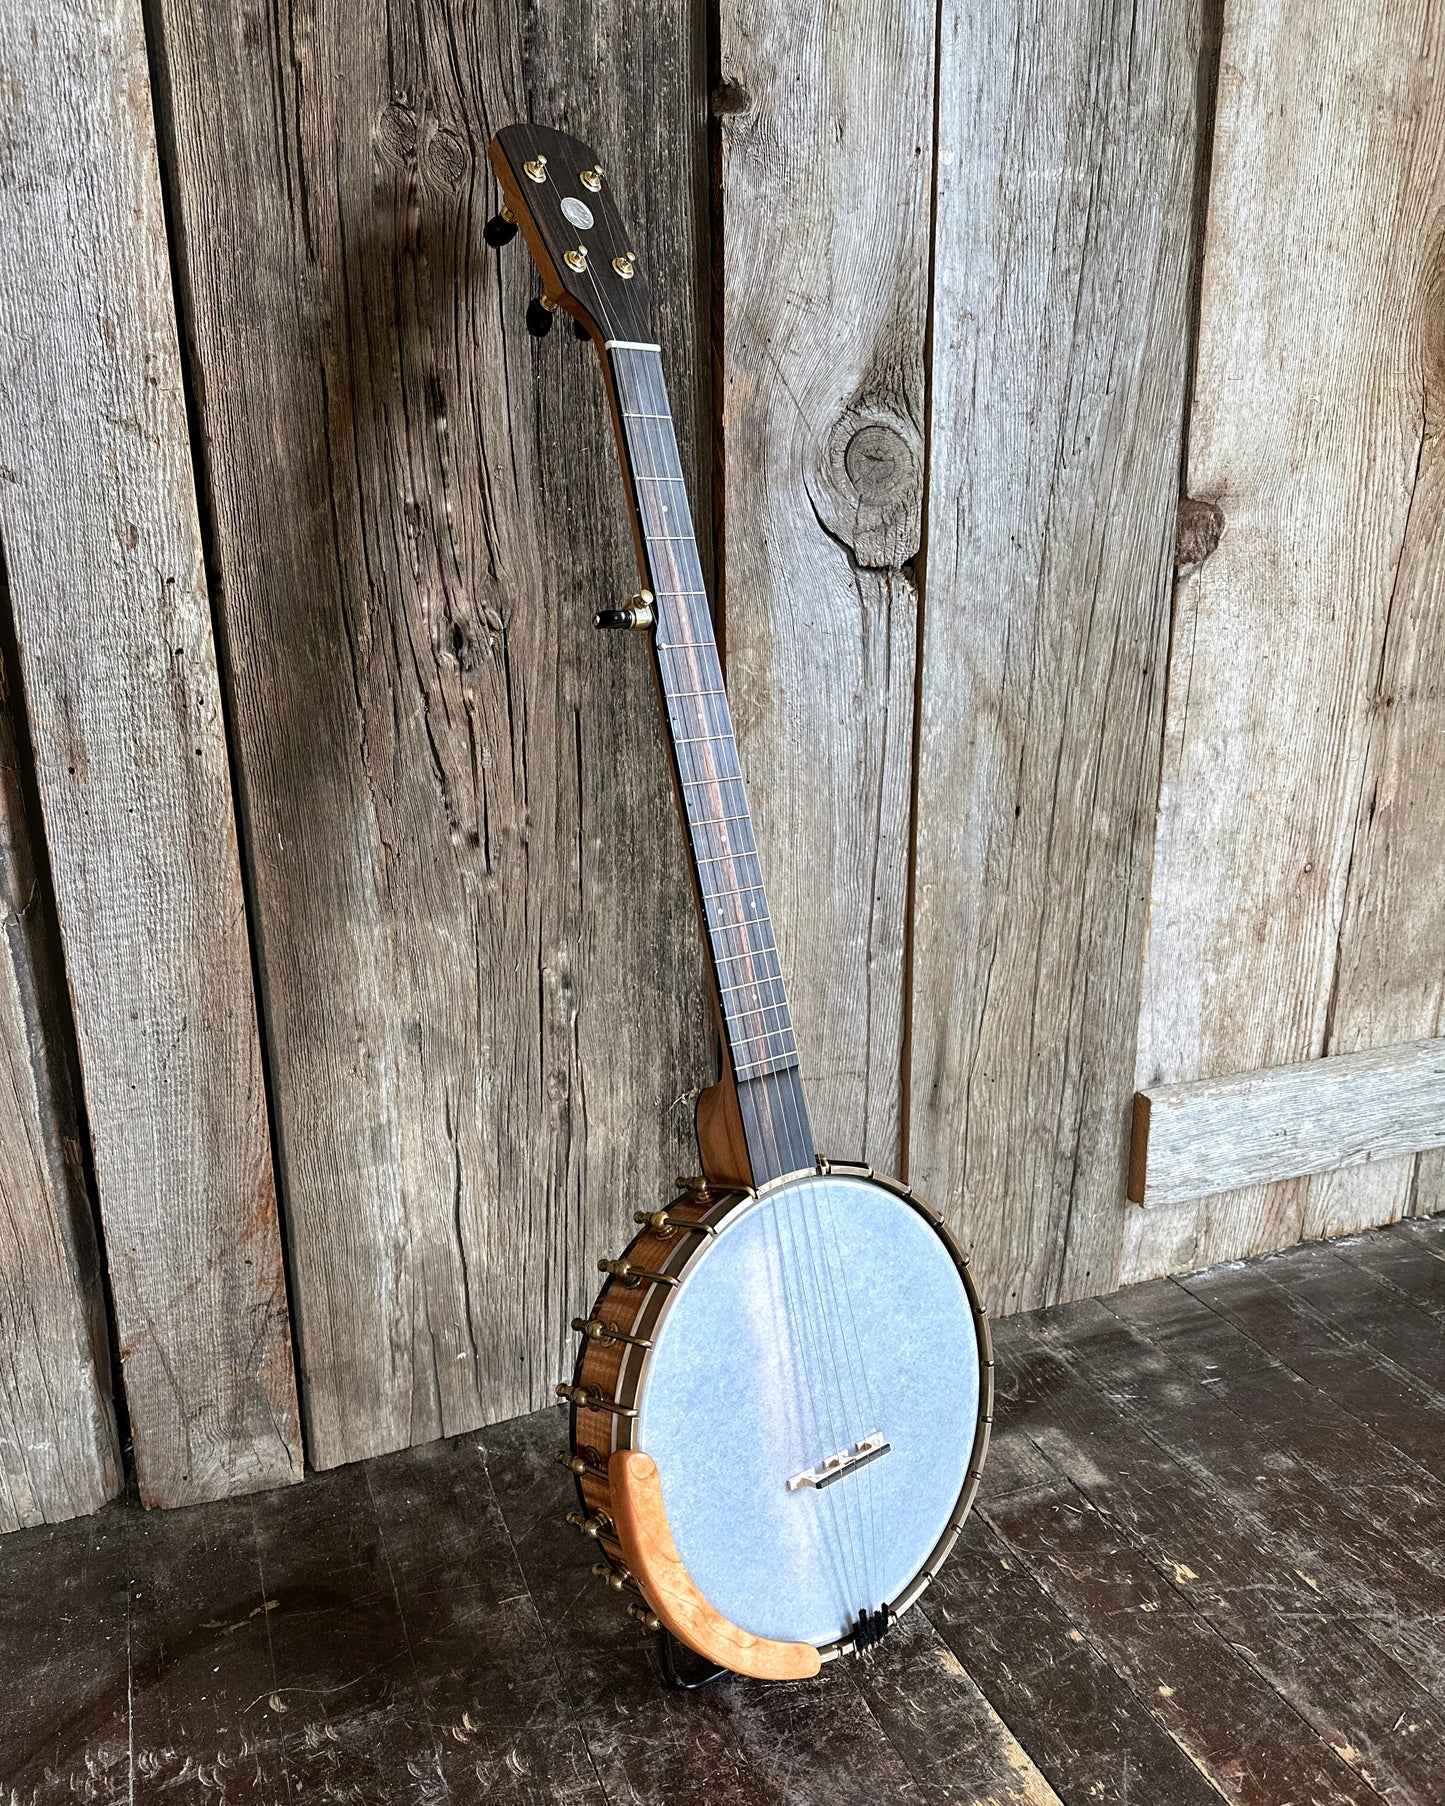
{"points": [[871, 1628]]}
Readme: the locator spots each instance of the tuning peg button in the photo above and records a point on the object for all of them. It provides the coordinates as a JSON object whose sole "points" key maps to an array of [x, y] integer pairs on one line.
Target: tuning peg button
{"points": [[638, 613], [539, 317], [499, 230], [580, 330]]}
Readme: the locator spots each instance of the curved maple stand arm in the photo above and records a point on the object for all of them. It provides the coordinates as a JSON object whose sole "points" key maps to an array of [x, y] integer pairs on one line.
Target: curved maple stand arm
{"points": [[651, 1554]]}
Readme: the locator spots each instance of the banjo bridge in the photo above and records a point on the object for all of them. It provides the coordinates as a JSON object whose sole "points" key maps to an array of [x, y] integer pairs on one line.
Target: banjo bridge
{"points": [[847, 1461]]}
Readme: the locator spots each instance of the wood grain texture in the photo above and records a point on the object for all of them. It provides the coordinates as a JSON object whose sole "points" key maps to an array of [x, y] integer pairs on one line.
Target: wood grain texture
{"points": [[652, 1555], [1066, 167], [98, 518], [58, 1450], [1186, 1602], [824, 295], [1223, 1134], [482, 983], [1295, 904]]}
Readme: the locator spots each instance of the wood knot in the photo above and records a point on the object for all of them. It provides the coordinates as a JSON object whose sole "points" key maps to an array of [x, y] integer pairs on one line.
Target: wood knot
{"points": [[1197, 530], [396, 133], [871, 486], [448, 159], [729, 97]]}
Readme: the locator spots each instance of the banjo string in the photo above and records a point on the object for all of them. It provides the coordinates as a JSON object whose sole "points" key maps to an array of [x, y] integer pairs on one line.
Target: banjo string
{"points": [[811, 1317]]}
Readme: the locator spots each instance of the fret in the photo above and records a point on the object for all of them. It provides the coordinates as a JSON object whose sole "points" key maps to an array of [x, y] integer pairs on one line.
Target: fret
{"points": [[725, 858], [727, 959], [767, 951], [782, 1030], [735, 890], [773, 1034], [737, 990], [760, 1055], [763, 1068]]}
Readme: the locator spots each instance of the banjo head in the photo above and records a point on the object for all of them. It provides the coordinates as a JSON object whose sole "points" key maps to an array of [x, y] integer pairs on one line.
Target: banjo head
{"points": [[815, 1392]]}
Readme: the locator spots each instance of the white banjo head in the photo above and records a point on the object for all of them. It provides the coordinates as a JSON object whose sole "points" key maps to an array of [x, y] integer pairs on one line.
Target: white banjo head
{"points": [[812, 1401]]}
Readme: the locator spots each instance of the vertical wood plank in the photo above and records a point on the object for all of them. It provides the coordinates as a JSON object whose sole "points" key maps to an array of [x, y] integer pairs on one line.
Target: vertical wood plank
{"points": [[1066, 166], [1296, 909], [98, 518], [1389, 980], [825, 223], [58, 1453], [482, 978]]}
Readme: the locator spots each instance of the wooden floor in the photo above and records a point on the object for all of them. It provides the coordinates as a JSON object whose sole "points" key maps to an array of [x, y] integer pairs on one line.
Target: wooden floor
{"points": [[1209, 1559]]}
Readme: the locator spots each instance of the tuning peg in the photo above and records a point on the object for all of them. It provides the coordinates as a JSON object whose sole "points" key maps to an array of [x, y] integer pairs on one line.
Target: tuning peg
{"points": [[500, 229], [638, 613], [539, 317], [580, 330]]}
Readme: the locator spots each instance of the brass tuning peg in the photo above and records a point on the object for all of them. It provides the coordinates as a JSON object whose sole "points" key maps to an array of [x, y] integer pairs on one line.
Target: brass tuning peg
{"points": [[639, 612]]}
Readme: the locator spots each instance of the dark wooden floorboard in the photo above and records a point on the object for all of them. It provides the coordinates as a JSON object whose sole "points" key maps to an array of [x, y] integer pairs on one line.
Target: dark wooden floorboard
{"points": [[1257, 1491], [1365, 1384], [1365, 1312], [1189, 1519], [1090, 1731], [1366, 1475], [1410, 1256], [1208, 1561], [1234, 1725]]}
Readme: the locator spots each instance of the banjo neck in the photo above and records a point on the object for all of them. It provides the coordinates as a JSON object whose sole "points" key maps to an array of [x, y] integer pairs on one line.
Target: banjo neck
{"points": [[753, 1125], [750, 1001]]}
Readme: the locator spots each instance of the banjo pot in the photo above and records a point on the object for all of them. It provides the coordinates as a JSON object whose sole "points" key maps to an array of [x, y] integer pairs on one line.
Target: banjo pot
{"points": [[807, 1369]]}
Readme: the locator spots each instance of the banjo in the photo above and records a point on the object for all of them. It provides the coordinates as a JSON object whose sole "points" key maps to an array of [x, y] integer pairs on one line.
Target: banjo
{"points": [[781, 1402]]}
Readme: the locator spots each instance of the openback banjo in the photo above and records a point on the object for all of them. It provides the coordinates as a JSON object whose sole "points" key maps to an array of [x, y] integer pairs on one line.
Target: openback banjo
{"points": [[781, 1402]]}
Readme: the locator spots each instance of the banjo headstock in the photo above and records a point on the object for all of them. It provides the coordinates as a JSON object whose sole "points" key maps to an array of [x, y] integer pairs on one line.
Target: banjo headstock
{"points": [[558, 194]]}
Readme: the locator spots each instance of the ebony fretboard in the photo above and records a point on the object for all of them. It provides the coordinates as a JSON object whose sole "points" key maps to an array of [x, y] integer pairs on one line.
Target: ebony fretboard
{"points": [[752, 1002]]}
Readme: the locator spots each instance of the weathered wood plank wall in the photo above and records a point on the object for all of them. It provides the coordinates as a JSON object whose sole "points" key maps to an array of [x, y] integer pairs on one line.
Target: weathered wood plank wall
{"points": [[1066, 173], [98, 522], [1218, 1135], [826, 175], [947, 262], [481, 976], [58, 1453], [1297, 907]]}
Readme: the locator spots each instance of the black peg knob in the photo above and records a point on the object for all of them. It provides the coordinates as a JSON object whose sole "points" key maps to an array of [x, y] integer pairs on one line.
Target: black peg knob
{"points": [[539, 318], [499, 231], [580, 330], [638, 613]]}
